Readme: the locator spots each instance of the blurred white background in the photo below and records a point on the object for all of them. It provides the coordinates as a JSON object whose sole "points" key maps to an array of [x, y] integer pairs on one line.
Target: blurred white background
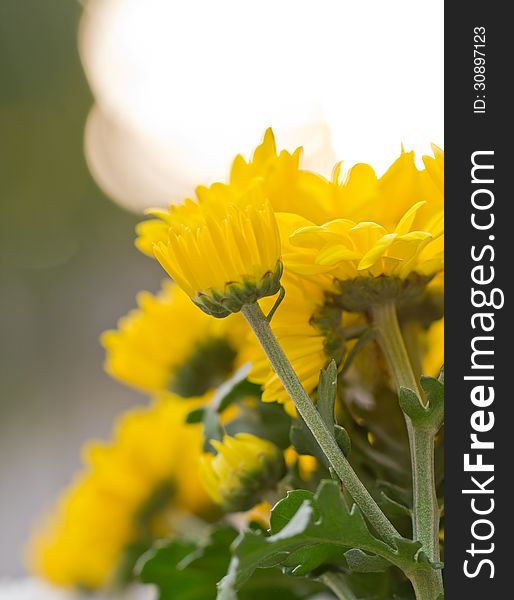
{"points": [[182, 87]]}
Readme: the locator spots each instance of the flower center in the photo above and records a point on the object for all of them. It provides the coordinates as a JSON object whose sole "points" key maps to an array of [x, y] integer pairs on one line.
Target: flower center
{"points": [[207, 366]]}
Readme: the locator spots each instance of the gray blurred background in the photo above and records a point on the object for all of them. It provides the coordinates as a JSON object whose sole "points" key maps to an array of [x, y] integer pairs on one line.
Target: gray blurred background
{"points": [[68, 269]]}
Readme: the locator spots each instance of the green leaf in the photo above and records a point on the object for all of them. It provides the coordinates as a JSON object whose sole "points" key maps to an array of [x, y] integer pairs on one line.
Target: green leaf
{"points": [[434, 389], [411, 405], [394, 507], [304, 442], [327, 389], [285, 509], [376, 425], [195, 416], [320, 527], [430, 416], [183, 570], [343, 439], [365, 563], [305, 561], [243, 389]]}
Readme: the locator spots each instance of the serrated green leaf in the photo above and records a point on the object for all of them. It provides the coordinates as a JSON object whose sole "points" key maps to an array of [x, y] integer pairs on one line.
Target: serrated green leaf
{"points": [[365, 563], [285, 509], [302, 543], [327, 389], [187, 571], [266, 583]]}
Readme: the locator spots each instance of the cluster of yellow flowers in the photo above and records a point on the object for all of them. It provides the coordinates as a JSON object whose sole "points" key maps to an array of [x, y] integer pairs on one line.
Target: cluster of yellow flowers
{"points": [[335, 247]]}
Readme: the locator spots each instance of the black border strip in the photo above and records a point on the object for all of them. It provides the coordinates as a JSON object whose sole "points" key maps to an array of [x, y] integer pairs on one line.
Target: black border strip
{"points": [[477, 120]]}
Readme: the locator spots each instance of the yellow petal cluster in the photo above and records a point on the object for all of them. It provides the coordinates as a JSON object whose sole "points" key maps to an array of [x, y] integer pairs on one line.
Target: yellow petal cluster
{"points": [[100, 515], [347, 250], [244, 467], [168, 344], [224, 250]]}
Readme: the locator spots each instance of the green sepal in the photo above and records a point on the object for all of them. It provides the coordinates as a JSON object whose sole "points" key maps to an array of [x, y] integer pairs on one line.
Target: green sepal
{"points": [[235, 295], [363, 292]]}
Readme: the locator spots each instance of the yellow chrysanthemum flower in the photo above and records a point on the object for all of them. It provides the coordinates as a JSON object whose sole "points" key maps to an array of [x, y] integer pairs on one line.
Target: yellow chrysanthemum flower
{"points": [[167, 344], [223, 252], [128, 491], [376, 258], [244, 468], [287, 186]]}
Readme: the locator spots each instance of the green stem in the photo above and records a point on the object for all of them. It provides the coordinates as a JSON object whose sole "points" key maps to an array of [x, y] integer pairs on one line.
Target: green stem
{"points": [[312, 418], [426, 585], [426, 510], [337, 583]]}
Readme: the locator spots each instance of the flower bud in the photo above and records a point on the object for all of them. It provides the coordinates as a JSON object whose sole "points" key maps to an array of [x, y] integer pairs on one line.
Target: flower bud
{"points": [[243, 469]]}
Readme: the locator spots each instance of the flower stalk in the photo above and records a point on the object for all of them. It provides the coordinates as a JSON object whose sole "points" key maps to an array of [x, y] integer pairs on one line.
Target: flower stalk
{"points": [[261, 328], [425, 507]]}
